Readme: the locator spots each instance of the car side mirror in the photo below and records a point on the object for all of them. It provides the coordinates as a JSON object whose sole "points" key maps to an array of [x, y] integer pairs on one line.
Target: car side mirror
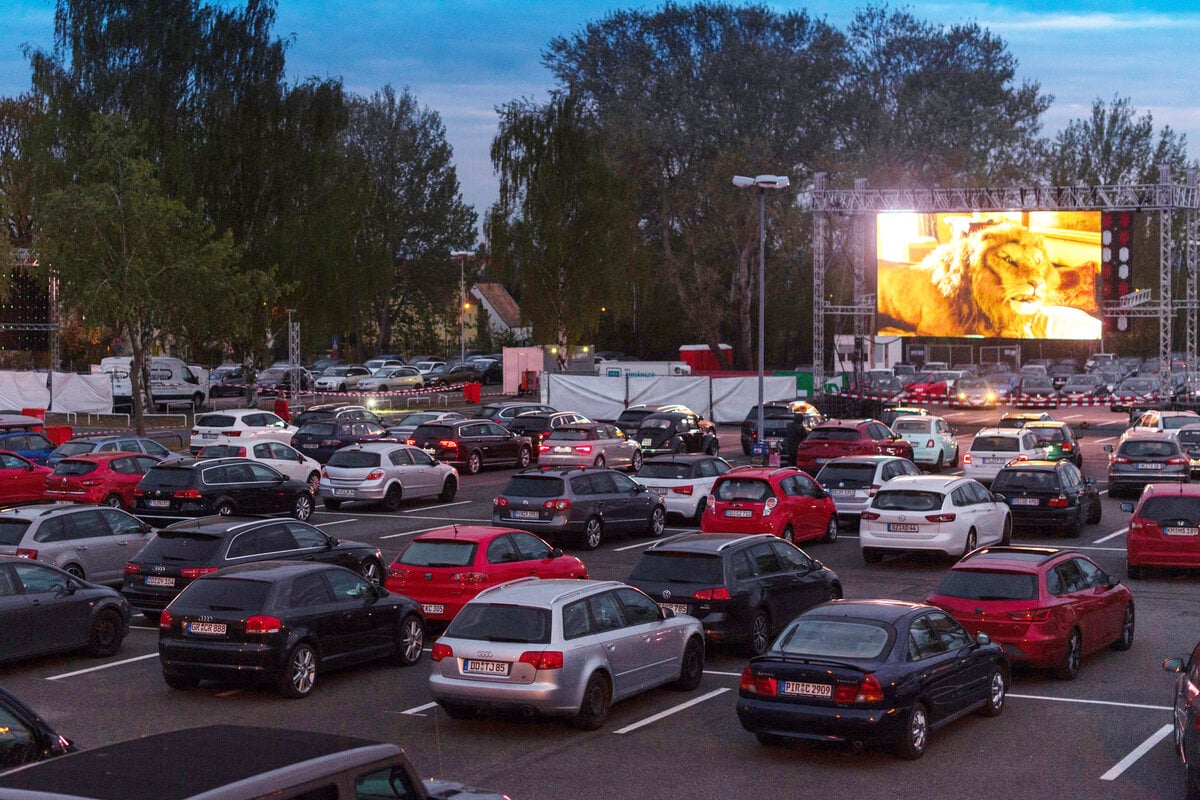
{"points": [[1127, 508], [1113, 581], [982, 638], [555, 552], [1108, 448], [332, 542], [638, 488], [999, 498], [1173, 665], [380, 590], [69, 586], [668, 613]]}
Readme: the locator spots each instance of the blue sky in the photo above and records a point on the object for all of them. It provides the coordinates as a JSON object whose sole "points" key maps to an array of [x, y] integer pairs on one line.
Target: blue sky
{"points": [[462, 58]]}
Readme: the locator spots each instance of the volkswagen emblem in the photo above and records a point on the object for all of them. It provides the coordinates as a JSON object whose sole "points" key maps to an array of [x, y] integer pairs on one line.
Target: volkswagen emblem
{"points": [[666, 594]]}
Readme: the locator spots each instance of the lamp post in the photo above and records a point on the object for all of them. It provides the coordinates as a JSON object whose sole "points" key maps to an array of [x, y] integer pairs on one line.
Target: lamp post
{"points": [[763, 182], [462, 256]]}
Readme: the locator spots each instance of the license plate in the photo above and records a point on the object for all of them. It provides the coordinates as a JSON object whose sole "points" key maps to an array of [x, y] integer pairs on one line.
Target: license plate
{"points": [[808, 689], [842, 492], [343, 493], [212, 628], [903, 527], [775, 442], [472, 667], [208, 436], [658, 490], [1181, 531], [647, 442], [562, 449], [526, 514], [678, 608], [309, 446], [995, 461], [432, 608], [159, 503], [157, 580], [1026, 501], [738, 512], [1150, 466]]}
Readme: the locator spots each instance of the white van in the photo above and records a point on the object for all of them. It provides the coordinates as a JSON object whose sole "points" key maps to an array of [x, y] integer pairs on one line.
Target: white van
{"points": [[171, 381]]}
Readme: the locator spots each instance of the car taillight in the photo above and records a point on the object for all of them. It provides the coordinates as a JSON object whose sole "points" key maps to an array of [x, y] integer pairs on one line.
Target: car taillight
{"points": [[195, 432], [331, 443], [187, 494], [681, 490], [1057, 502], [769, 506], [583, 449], [940, 517], [1032, 615], [1176, 460], [561, 504], [1022, 457], [929, 443], [261, 623], [469, 577], [447, 444], [374, 475], [139, 492], [758, 684], [500, 502], [1067, 447], [1121, 460], [543, 448], [196, 572], [542, 659], [232, 433], [324, 473], [874, 488], [26, 553], [870, 515], [867, 690], [164, 619], [132, 568], [719, 593], [966, 459], [411, 442], [440, 651]]}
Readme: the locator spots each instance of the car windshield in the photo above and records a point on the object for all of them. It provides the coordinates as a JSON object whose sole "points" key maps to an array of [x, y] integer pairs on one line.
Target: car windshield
{"points": [[903, 426], [1037, 383], [1172, 511], [907, 500], [846, 476], [1189, 437], [1141, 448], [571, 435], [439, 553], [973, 584], [223, 594], [750, 489], [1045, 435], [354, 459], [973, 383], [71, 467], [834, 435], [73, 449], [669, 470], [1027, 480], [272, 374], [996, 444], [495, 622], [1139, 385], [666, 567], [834, 639], [534, 486], [12, 531], [215, 421]]}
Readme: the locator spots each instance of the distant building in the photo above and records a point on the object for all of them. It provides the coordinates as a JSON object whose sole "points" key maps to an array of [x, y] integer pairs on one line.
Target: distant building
{"points": [[503, 313]]}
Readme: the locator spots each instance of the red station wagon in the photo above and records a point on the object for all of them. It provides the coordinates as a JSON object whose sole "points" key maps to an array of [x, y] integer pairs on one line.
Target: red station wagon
{"points": [[862, 437], [785, 501]]}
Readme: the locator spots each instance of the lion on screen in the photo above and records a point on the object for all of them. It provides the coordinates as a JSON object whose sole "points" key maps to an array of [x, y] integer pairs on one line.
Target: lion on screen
{"points": [[994, 282]]}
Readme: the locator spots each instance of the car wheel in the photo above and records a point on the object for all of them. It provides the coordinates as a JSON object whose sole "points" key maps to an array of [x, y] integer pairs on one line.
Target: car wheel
{"points": [[914, 734], [314, 483], [972, 540], [197, 401], [597, 699], [524, 457], [997, 691], [835, 592], [331, 504], [714, 448], [678, 447], [1125, 641], [1068, 668], [343, 388], [1075, 526], [691, 669], [392, 498], [954, 463], [635, 463], [449, 489], [600, 462], [699, 515], [299, 675], [788, 534], [760, 633], [372, 570], [475, 462], [831, 530], [108, 629], [593, 531], [1134, 571], [224, 508], [114, 501], [302, 506], [411, 641], [871, 556], [1006, 536], [658, 522], [180, 682], [75, 570], [1097, 512], [939, 465]]}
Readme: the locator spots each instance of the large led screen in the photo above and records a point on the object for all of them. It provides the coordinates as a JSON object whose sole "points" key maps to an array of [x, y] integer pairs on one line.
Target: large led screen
{"points": [[994, 275]]}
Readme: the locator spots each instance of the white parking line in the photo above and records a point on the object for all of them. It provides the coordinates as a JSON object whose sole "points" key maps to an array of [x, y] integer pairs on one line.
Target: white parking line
{"points": [[717, 672], [632, 547], [415, 711], [1139, 751], [337, 522], [102, 666], [670, 711], [411, 533], [1071, 416], [1089, 702], [1113, 535], [448, 520], [435, 508]]}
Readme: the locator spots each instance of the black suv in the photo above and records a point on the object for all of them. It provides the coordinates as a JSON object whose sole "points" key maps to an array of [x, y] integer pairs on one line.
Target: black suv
{"points": [[321, 437], [504, 412], [776, 417], [675, 432], [197, 487], [744, 589], [584, 503], [1048, 494], [537, 425], [180, 553], [472, 444]]}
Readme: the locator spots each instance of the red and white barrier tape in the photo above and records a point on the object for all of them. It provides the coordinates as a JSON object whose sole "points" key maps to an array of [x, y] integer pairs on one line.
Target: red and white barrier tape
{"points": [[1108, 400]]}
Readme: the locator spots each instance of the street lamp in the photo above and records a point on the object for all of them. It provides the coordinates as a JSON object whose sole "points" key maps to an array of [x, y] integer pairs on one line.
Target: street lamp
{"points": [[763, 182], [462, 256]]}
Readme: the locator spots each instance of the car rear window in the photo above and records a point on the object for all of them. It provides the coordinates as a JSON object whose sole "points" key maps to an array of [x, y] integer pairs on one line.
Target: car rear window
{"points": [[167, 478], [1171, 510], [995, 444], [743, 489], [426, 433], [1189, 437], [667, 469], [1048, 434], [569, 435], [658, 423], [76, 448], [1027, 480], [1175, 423], [181, 547], [1136, 448], [846, 476], [910, 426], [972, 584], [439, 553], [534, 486], [496, 622], [223, 594], [666, 567], [75, 467], [536, 425], [834, 435], [354, 459], [418, 419], [907, 500], [215, 421], [834, 639], [222, 451], [12, 531], [317, 429]]}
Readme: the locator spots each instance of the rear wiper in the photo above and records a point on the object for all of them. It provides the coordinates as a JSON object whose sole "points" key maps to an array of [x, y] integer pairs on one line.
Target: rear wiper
{"points": [[225, 608], [814, 660], [512, 639]]}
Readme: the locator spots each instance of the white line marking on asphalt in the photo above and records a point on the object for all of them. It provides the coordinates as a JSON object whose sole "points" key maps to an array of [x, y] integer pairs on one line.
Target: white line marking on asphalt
{"points": [[1113, 535], [435, 508], [632, 547], [673, 710], [446, 520], [415, 711], [717, 672], [1141, 750], [102, 666], [1106, 439], [1072, 416], [1089, 702], [412, 533], [229, 692], [337, 522]]}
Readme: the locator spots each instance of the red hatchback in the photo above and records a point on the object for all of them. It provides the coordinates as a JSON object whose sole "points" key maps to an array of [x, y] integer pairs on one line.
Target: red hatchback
{"points": [[445, 568], [1164, 529], [108, 478], [853, 437], [785, 501], [21, 481], [1048, 607]]}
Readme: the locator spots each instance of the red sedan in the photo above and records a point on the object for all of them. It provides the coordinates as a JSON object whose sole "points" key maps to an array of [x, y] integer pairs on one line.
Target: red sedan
{"points": [[784, 501], [445, 568], [21, 480], [1048, 607], [108, 478]]}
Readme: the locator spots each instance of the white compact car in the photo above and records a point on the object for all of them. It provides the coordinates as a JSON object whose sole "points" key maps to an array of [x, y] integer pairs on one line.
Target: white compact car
{"points": [[683, 481], [945, 514], [992, 448], [238, 426], [282, 457], [853, 480], [933, 443], [385, 473]]}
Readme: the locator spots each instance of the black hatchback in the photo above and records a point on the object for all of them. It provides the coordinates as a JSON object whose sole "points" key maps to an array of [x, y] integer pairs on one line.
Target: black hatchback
{"points": [[282, 624], [1048, 495], [744, 589], [197, 487], [472, 444], [182, 552]]}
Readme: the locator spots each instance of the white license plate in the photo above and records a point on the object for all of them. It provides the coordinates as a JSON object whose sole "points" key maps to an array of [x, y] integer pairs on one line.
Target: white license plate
{"points": [[343, 493], [1181, 531], [678, 608], [808, 689], [775, 442], [157, 580], [738, 512], [159, 503], [995, 460], [208, 436], [213, 628], [1150, 466], [472, 667], [562, 449], [526, 515], [658, 490], [646, 442], [433, 608], [903, 527], [842, 492], [309, 446], [1026, 501]]}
